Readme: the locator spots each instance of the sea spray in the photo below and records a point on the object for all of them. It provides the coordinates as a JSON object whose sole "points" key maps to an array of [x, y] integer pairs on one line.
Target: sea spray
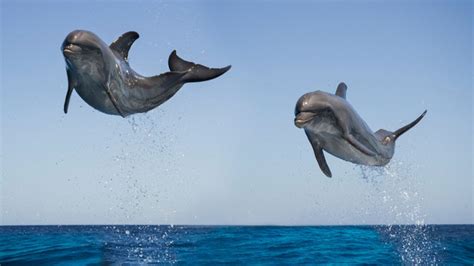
{"points": [[143, 163], [396, 189]]}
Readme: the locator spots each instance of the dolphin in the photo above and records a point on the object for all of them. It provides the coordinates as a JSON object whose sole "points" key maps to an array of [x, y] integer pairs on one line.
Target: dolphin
{"points": [[331, 124], [103, 78]]}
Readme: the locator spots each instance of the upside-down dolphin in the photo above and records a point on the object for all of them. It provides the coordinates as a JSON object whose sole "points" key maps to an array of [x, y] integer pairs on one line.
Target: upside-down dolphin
{"points": [[332, 125], [102, 76]]}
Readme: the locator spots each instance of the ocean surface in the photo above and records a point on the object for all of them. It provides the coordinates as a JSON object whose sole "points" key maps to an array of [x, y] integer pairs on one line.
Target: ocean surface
{"points": [[142, 244]]}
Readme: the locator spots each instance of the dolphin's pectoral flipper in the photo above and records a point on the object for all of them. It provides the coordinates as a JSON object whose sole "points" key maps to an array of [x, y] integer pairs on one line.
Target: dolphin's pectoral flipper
{"points": [[68, 97], [318, 152], [113, 100], [196, 72], [358, 145], [123, 43], [341, 90], [70, 88]]}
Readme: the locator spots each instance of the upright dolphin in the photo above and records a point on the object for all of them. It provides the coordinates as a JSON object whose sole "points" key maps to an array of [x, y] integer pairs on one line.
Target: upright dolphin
{"points": [[331, 124], [102, 76]]}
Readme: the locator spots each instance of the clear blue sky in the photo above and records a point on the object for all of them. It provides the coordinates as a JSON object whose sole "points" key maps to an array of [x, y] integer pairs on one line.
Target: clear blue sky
{"points": [[226, 151]]}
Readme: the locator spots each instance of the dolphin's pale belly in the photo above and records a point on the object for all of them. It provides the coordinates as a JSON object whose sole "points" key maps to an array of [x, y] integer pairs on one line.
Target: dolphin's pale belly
{"points": [[331, 139], [96, 96], [128, 99]]}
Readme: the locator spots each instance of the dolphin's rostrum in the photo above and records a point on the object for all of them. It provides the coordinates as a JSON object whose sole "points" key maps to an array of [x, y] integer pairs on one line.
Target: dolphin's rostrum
{"points": [[102, 76], [331, 124]]}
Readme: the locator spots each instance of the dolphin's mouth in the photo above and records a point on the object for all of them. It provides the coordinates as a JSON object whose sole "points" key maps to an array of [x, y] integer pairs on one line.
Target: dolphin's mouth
{"points": [[71, 49], [303, 118]]}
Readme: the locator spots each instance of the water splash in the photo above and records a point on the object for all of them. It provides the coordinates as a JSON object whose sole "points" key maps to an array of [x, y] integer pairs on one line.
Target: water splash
{"points": [[396, 190], [143, 163], [143, 159], [141, 244]]}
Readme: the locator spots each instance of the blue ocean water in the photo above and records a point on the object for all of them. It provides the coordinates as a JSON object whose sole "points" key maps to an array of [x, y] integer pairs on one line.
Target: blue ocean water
{"points": [[141, 244]]}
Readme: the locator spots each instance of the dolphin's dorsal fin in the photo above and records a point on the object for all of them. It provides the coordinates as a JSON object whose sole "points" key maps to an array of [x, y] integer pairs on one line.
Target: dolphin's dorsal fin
{"points": [[341, 90], [318, 152], [123, 43]]}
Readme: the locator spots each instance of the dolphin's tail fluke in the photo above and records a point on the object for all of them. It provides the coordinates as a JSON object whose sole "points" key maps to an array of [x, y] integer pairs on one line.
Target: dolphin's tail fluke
{"points": [[196, 72], [404, 129]]}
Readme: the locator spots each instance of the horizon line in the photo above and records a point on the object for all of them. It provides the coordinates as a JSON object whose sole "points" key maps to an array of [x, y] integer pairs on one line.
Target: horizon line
{"points": [[239, 225]]}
